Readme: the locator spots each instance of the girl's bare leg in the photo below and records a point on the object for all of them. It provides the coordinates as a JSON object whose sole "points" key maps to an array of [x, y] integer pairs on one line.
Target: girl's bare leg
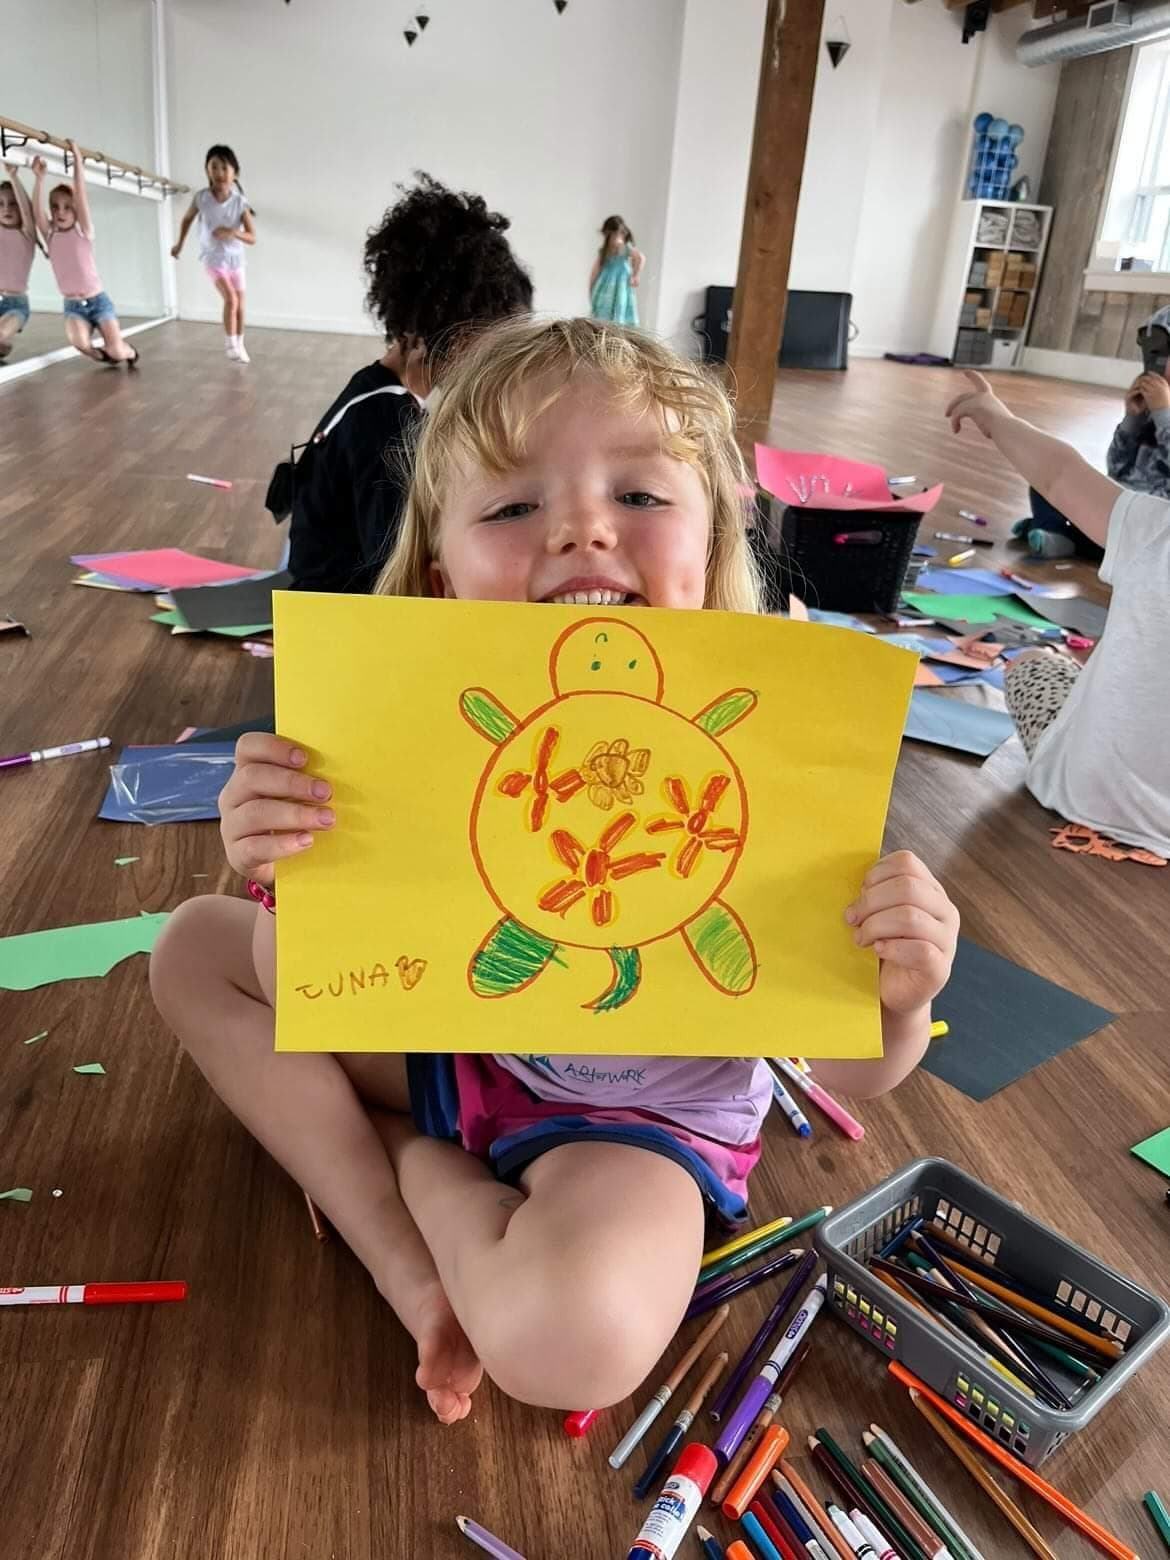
{"points": [[9, 326], [116, 344], [571, 1289], [211, 975], [78, 334], [231, 312]]}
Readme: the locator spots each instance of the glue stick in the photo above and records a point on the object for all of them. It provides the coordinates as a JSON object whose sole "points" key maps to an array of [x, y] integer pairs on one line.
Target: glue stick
{"points": [[675, 1509]]}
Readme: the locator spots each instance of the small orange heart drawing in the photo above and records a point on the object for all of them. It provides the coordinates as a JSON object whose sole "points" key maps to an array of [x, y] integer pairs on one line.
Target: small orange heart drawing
{"points": [[410, 971]]}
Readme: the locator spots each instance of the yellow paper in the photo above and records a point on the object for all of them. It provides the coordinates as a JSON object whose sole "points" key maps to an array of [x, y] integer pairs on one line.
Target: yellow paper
{"points": [[565, 829]]}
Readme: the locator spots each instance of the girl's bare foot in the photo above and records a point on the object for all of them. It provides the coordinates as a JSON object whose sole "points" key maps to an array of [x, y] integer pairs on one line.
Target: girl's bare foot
{"points": [[448, 1371]]}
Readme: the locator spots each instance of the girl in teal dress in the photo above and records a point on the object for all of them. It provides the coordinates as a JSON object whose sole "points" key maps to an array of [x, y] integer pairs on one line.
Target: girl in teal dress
{"points": [[615, 275]]}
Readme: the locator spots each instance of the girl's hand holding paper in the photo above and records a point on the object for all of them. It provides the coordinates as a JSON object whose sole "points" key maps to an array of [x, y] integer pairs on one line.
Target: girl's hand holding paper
{"points": [[904, 915], [270, 808]]}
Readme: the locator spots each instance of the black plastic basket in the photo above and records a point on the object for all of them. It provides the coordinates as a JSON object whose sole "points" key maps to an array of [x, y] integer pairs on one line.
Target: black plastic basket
{"points": [[861, 576]]}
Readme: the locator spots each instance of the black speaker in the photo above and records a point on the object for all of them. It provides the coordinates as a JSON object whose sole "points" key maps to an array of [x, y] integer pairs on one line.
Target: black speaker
{"points": [[816, 328]]}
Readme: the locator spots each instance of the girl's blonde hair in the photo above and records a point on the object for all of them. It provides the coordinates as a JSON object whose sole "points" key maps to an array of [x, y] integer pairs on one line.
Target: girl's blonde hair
{"points": [[488, 405]]}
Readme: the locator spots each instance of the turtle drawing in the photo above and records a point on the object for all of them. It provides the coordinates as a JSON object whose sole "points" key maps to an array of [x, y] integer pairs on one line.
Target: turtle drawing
{"points": [[606, 820]]}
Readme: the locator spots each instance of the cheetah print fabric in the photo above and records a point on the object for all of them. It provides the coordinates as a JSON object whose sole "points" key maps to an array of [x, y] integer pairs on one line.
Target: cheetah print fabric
{"points": [[1035, 687]]}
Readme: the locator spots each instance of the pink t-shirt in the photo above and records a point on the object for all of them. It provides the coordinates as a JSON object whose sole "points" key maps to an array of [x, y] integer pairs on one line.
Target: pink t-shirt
{"points": [[725, 1098], [71, 256], [16, 258]]}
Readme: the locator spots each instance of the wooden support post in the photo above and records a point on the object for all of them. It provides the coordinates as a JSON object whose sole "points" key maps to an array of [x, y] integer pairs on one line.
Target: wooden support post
{"points": [[788, 70]]}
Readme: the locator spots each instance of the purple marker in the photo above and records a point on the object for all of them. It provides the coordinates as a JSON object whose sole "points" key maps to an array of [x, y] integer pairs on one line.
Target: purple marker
{"points": [[38, 754], [795, 1284], [741, 1421]]}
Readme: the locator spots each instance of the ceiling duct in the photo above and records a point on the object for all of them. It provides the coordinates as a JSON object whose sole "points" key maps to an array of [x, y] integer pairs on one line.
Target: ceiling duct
{"points": [[1109, 24]]}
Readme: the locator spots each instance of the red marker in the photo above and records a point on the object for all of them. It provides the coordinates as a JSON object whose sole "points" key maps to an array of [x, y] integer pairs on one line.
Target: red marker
{"points": [[93, 1294], [218, 482], [578, 1424]]}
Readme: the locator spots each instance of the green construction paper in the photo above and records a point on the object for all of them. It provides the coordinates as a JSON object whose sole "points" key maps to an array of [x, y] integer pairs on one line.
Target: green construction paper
{"points": [[17, 1194], [1155, 1150], [972, 609], [124, 861], [74, 952], [175, 619], [94, 1068], [32, 1039]]}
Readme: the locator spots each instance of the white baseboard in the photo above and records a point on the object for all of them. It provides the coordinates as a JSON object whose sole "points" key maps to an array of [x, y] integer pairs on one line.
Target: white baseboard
{"points": [[326, 325], [1117, 373], [33, 365]]}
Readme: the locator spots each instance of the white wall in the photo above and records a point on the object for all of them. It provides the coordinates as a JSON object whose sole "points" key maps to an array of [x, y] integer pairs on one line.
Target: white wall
{"points": [[932, 87], [557, 120], [82, 68]]}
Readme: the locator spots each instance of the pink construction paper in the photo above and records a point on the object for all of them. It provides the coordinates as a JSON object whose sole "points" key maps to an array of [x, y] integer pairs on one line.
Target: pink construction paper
{"points": [[830, 482], [165, 568]]}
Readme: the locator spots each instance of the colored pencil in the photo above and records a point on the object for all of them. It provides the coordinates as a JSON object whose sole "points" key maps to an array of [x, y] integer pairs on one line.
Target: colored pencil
{"points": [[812, 1505], [674, 1437], [836, 1477], [1159, 1516], [818, 1533], [762, 1243], [986, 1483], [711, 1546], [786, 1506], [916, 1489], [772, 1445], [753, 1399], [821, 1098], [772, 1521], [488, 1542], [721, 1289], [868, 1498], [921, 1532], [765, 1417], [752, 1353], [797, 1119], [748, 1238], [923, 1398], [1109, 1347], [666, 1391], [754, 1529], [319, 1229]]}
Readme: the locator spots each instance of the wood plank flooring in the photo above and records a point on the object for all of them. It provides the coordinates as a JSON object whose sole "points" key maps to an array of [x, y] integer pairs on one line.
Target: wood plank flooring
{"points": [[274, 1416]]}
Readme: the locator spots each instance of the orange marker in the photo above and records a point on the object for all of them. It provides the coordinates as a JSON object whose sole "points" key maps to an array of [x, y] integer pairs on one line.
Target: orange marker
{"points": [[738, 1551], [921, 1395], [773, 1445]]}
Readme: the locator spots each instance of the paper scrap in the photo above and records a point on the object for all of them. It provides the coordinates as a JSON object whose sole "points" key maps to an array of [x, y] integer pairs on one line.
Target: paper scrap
{"points": [[965, 582], [227, 606], [78, 952], [168, 783], [177, 624], [797, 610], [724, 776], [17, 1194], [925, 678], [163, 568], [93, 1068], [973, 609], [124, 861], [946, 722], [830, 482], [1083, 841], [1155, 1150], [9, 625], [32, 1039]]}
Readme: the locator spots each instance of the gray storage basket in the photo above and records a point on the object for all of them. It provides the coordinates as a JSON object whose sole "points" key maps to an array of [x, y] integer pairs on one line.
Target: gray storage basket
{"points": [[1073, 1284]]}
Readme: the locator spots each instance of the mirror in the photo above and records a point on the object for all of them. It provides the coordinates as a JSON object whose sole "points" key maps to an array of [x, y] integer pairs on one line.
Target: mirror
{"points": [[39, 94]]}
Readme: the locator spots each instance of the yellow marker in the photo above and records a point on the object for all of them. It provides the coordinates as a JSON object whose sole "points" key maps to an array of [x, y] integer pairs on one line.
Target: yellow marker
{"points": [[937, 1031], [740, 1241], [958, 558]]}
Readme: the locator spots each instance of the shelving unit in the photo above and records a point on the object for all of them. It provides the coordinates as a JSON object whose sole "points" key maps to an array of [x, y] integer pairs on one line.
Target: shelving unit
{"points": [[994, 262]]}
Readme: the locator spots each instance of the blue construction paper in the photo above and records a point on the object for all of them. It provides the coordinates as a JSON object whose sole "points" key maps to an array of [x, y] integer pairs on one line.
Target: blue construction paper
{"points": [[948, 673], [965, 582], [922, 551], [172, 783], [969, 728], [838, 620], [920, 643]]}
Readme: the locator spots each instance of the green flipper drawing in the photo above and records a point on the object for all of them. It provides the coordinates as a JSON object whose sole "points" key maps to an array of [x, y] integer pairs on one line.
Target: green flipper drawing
{"points": [[484, 711], [627, 977], [509, 958], [727, 711], [720, 946]]}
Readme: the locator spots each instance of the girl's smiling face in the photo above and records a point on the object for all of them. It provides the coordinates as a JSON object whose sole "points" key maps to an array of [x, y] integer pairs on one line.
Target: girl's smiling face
{"points": [[597, 513], [62, 211]]}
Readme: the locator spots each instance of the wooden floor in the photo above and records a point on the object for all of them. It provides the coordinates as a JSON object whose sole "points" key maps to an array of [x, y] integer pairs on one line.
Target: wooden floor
{"points": [[45, 332], [274, 1415]]}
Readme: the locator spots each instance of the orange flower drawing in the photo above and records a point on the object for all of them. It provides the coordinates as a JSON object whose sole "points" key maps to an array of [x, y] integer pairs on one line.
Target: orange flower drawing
{"points": [[693, 822], [594, 869], [562, 786]]}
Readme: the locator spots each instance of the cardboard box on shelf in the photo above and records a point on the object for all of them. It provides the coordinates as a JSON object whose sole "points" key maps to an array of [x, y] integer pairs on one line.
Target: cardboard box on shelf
{"points": [[983, 319], [996, 265], [1019, 310]]}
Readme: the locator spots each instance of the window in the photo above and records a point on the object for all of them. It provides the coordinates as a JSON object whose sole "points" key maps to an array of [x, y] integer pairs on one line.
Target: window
{"points": [[1135, 235]]}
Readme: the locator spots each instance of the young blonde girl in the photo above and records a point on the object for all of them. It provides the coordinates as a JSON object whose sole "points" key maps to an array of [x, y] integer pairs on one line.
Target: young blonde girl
{"points": [[501, 1203]]}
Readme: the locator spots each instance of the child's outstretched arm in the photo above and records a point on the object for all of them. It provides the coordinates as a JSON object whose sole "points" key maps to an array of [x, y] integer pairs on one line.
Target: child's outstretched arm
{"points": [[904, 915], [80, 194], [189, 216], [1054, 469], [27, 221], [40, 215]]}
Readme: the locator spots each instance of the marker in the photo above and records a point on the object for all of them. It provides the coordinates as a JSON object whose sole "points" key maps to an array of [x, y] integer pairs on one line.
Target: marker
{"points": [[488, 1542], [862, 538], [957, 558], [900, 481], [797, 1119], [856, 1537], [675, 1509], [754, 1529], [751, 1403], [772, 1446], [578, 1424], [94, 1294], [939, 1029], [968, 514], [754, 1349], [1018, 579], [972, 541], [39, 754], [1079, 642], [821, 1098], [666, 1391], [210, 481]]}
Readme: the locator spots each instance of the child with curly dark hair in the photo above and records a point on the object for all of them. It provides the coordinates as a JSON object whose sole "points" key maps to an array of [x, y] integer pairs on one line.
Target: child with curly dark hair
{"points": [[438, 267]]}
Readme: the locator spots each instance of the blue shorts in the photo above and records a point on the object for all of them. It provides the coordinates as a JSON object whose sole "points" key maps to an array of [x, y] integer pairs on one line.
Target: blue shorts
{"points": [[15, 303], [96, 309]]}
